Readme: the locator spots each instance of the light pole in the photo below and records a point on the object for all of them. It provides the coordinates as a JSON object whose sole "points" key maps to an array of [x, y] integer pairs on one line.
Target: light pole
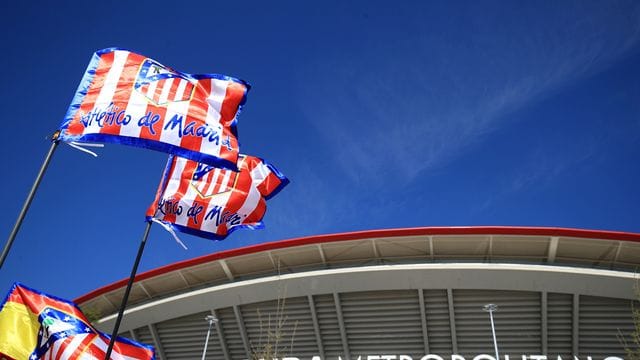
{"points": [[211, 319], [490, 308]]}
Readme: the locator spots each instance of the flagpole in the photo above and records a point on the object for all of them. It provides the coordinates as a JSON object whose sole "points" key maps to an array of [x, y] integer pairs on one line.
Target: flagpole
{"points": [[32, 193], [123, 304], [211, 319]]}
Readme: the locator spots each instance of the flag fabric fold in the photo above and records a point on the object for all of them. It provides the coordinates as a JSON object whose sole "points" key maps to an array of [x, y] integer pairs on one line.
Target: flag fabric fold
{"points": [[211, 202], [130, 99], [34, 325]]}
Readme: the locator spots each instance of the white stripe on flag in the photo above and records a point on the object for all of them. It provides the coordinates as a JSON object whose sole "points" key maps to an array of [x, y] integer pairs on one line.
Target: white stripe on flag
{"points": [[174, 182], [180, 90], [225, 180], [202, 183], [174, 109], [215, 100], [260, 173], [219, 200], [108, 89], [102, 345], [87, 356], [166, 87], [187, 201], [72, 347], [136, 108], [206, 180], [214, 179], [251, 202], [53, 351], [151, 90], [47, 355]]}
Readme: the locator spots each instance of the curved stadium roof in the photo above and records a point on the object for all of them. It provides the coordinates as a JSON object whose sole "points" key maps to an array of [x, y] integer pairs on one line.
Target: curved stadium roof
{"points": [[410, 291]]}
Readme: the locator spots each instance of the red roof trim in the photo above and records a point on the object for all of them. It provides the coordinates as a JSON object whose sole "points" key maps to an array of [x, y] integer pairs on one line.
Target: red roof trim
{"points": [[318, 239]]}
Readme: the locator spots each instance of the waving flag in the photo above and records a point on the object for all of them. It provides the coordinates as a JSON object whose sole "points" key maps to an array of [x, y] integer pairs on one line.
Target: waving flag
{"points": [[34, 325], [210, 202], [130, 99]]}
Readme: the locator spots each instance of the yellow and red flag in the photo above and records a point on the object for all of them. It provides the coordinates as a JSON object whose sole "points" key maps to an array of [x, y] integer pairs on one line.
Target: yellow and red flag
{"points": [[34, 325]]}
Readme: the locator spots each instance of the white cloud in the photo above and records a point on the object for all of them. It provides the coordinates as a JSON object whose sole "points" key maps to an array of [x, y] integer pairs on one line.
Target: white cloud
{"points": [[429, 102]]}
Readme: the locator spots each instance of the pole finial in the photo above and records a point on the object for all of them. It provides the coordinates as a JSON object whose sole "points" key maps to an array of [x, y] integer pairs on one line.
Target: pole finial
{"points": [[490, 307], [55, 136]]}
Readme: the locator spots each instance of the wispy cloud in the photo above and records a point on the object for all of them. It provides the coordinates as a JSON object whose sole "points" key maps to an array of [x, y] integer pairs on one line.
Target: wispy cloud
{"points": [[429, 100], [545, 163], [319, 210]]}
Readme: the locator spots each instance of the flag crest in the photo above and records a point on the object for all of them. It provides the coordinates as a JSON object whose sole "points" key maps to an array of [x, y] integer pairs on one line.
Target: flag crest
{"points": [[211, 202], [152, 79], [130, 99], [208, 180]]}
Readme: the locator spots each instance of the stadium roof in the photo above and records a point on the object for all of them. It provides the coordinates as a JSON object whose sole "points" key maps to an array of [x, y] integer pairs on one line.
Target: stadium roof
{"points": [[441, 266]]}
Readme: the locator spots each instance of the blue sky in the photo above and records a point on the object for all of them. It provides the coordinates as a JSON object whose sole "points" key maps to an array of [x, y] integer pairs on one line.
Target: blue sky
{"points": [[382, 114]]}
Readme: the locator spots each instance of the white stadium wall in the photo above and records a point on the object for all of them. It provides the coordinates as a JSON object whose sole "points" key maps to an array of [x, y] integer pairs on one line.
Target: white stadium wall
{"points": [[392, 294]]}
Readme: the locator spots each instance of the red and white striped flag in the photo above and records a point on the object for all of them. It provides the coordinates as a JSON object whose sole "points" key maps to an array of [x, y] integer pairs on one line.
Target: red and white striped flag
{"points": [[211, 202], [92, 347], [35, 325], [130, 99]]}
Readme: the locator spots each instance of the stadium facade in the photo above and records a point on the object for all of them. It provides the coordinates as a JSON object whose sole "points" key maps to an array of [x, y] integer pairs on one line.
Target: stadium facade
{"points": [[395, 294]]}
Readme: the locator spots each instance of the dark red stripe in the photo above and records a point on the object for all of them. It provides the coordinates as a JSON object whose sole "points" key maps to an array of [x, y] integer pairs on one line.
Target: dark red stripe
{"points": [[106, 60], [185, 181], [233, 97], [198, 108], [153, 120], [173, 90], [82, 347]]}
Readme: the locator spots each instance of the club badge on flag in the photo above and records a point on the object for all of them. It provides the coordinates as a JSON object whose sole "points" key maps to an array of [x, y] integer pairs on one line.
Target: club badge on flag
{"points": [[34, 325], [211, 202], [130, 99]]}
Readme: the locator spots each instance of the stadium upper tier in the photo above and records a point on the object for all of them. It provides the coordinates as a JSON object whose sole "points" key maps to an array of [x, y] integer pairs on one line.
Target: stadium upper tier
{"points": [[550, 283]]}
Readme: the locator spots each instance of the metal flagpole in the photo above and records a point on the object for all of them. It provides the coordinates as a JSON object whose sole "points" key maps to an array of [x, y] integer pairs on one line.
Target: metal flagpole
{"points": [[32, 193], [134, 270], [491, 308], [211, 319]]}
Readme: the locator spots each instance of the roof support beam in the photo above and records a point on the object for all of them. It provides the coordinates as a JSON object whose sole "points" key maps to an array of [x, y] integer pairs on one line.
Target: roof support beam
{"points": [[553, 249], [144, 289], [183, 278], [544, 331], [276, 266], [221, 339], [423, 319], [226, 269], [615, 258], [316, 325], [343, 331], [452, 321], [243, 331], [156, 342], [431, 248], [322, 256], [576, 324], [109, 301], [376, 253], [133, 335], [490, 250]]}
